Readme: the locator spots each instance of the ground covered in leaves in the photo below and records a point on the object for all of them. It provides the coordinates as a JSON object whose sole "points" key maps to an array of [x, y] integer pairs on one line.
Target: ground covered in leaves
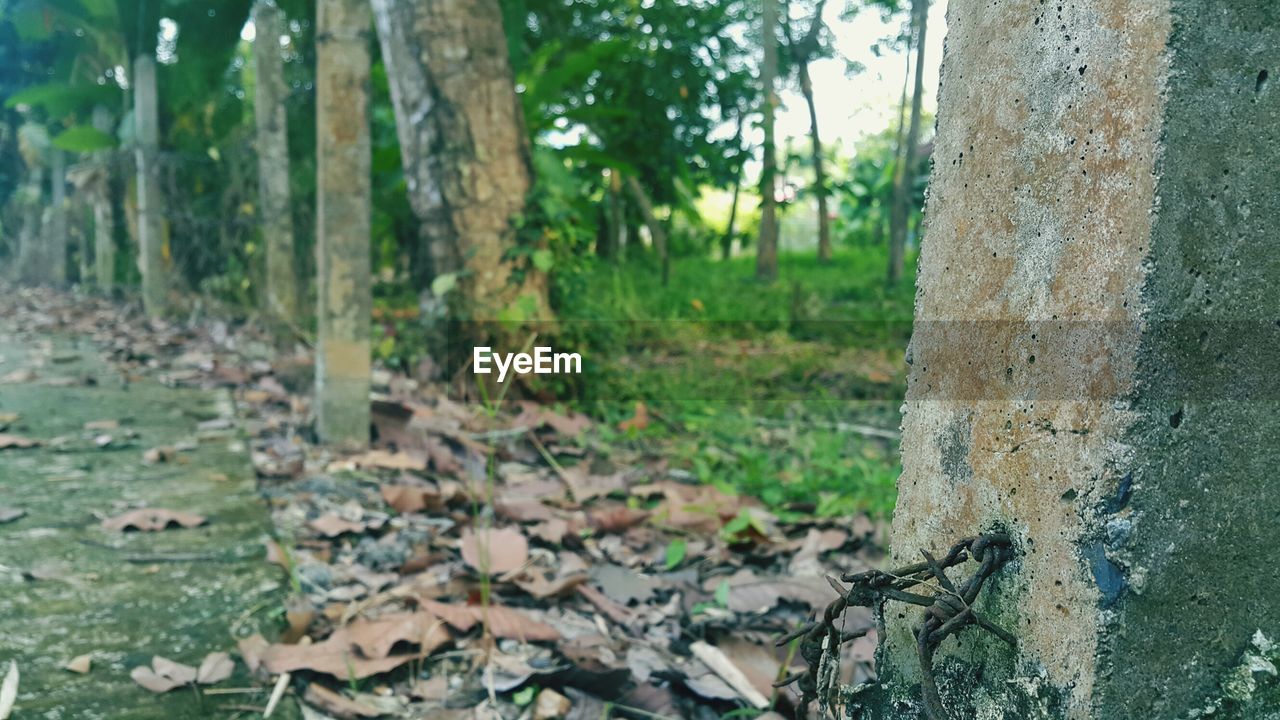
{"points": [[516, 561]]}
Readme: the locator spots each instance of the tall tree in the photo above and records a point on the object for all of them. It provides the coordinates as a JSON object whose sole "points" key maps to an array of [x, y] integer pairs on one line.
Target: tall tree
{"points": [[803, 52], [343, 221], [273, 163], [767, 247], [651, 221], [463, 147], [904, 176], [146, 120]]}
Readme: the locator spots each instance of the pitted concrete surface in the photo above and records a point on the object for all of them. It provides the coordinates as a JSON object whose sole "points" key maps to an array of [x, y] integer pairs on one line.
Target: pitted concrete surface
{"points": [[68, 587], [1095, 354]]}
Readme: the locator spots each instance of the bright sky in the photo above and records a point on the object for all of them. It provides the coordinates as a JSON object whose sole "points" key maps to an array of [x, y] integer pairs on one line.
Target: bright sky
{"points": [[865, 103]]}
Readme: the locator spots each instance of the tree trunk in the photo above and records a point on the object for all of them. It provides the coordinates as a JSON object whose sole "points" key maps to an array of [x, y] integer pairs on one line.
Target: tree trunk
{"points": [[767, 247], [616, 223], [275, 206], [1093, 366], [463, 145], [343, 197], [726, 242], [904, 177], [819, 171], [652, 222], [150, 210]]}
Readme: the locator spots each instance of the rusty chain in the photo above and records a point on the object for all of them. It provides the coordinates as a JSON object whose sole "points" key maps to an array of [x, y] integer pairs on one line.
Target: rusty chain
{"points": [[947, 612]]}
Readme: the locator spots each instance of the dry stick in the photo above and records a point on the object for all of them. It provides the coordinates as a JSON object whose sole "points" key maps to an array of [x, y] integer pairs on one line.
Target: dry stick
{"points": [[282, 683], [715, 659]]}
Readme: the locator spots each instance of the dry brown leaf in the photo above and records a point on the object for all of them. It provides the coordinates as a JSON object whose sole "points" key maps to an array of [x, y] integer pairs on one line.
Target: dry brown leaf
{"points": [[639, 421], [152, 520], [336, 704], [330, 525], [17, 442], [615, 517], [157, 455], [522, 510], [362, 648], [584, 486], [215, 668], [412, 498], [551, 532], [534, 416], [163, 675], [551, 705], [542, 587], [504, 622], [495, 551], [251, 649], [386, 460], [80, 664], [150, 680]]}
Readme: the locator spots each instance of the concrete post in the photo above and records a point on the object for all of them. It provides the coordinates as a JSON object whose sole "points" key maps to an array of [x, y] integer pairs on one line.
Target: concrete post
{"points": [[99, 194], [273, 165], [1095, 359], [146, 120], [55, 241], [343, 221]]}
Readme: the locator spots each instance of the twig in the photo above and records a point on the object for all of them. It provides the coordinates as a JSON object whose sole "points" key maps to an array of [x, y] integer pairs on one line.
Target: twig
{"points": [[715, 659]]}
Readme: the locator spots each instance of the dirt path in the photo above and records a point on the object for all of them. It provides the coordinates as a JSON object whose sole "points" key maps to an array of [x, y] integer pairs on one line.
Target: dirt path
{"points": [[68, 587]]}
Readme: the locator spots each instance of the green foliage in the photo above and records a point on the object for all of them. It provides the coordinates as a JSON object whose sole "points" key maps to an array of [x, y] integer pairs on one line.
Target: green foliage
{"points": [[675, 554], [83, 138]]}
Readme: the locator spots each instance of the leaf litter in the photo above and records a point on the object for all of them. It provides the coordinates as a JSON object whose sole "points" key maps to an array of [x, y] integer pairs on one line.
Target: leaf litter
{"points": [[470, 563]]}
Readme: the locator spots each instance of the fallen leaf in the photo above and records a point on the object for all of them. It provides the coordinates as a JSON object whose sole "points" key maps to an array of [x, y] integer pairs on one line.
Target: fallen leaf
{"points": [[495, 551], [163, 675], [158, 455], [330, 525], [542, 587], [215, 668], [102, 425], [18, 442], [551, 705], [386, 460], [8, 418], [362, 648], [616, 517], [173, 670], [584, 486], [80, 664], [9, 514], [150, 680], [251, 649], [639, 421], [412, 497], [337, 704], [504, 622], [9, 691], [152, 519]]}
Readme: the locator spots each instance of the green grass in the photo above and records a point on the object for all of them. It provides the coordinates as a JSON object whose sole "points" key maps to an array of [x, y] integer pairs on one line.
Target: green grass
{"points": [[751, 382]]}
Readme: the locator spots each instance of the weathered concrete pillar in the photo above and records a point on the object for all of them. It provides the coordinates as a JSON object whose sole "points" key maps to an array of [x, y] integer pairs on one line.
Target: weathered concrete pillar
{"points": [[56, 235], [1095, 361], [99, 194], [275, 207], [343, 221], [146, 122]]}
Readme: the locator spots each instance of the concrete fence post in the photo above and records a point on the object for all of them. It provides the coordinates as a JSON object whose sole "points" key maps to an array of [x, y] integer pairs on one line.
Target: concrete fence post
{"points": [[1095, 367]]}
